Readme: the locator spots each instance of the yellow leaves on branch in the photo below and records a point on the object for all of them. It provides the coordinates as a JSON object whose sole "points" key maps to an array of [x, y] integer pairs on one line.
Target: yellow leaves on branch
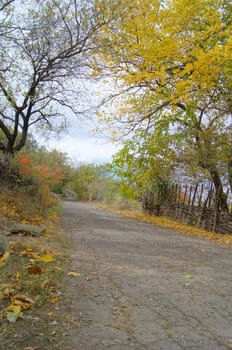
{"points": [[178, 49]]}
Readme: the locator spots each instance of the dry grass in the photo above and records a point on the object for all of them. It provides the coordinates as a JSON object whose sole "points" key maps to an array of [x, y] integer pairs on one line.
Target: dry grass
{"points": [[34, 270]]}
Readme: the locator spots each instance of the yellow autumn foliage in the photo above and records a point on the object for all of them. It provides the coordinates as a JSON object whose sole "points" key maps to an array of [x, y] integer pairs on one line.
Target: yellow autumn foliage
{"points": [[179, 51]]}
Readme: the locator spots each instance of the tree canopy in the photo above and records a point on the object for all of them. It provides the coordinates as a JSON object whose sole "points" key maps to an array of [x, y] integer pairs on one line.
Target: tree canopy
{"points": [[173, 63]]}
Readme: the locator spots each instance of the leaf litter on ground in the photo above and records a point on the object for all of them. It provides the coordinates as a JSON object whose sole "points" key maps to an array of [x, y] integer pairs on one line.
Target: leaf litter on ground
{"points": [[174, 225], [28, 281]]}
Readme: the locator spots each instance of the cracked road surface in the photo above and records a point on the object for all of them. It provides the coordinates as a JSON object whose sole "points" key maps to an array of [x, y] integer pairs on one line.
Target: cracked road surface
{"points": [[144, 287]]}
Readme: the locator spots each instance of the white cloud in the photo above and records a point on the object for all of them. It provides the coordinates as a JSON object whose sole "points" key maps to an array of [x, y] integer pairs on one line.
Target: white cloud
{"points": [[78, 142], [84, 148]]}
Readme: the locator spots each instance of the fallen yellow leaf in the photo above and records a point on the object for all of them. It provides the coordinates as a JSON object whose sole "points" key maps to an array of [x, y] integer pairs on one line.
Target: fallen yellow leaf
{"points": [[15, 308], [54, 299], [44, 250], [8, 290], [46, 258], [58, 268], [4, 258], [73, 274], [180, 227], [2, 296], [35, 255], [24, 301], [23, 253], [48, 235]]}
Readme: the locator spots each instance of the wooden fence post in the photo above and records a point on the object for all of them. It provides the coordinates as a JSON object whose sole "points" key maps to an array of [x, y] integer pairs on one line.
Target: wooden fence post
{"points": [[201, 194], [185, 194], [179, 194], [203, 209], [190, 194], [194, 194], [211, 192]]}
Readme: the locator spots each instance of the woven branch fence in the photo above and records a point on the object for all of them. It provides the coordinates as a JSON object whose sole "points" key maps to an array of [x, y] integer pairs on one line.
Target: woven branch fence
{"points": [[196, 205]]}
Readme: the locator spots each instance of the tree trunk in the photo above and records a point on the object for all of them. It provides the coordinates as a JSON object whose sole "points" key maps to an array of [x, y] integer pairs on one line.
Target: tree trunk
{"points": [[229, 167], [5, 169], [220, 195]]}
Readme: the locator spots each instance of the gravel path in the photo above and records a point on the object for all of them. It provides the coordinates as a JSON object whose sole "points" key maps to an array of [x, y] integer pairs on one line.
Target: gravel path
{"points": [[144, 287]]}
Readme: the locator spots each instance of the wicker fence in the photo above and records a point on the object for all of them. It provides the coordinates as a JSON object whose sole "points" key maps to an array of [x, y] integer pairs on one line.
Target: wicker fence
{"points": [[195, 205]]}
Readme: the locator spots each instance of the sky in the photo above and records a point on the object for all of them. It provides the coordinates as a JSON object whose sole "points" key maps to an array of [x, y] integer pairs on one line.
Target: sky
{"points": [[79, 140], [82, 145]]}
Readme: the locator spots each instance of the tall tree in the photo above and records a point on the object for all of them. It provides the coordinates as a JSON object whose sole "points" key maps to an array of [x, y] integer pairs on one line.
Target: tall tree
{"points": [[145, 161], [173, 59], [45, 51]]}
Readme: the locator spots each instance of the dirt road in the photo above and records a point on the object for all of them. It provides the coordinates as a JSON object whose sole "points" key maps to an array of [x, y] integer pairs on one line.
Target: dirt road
{"points": [[144, 287]]}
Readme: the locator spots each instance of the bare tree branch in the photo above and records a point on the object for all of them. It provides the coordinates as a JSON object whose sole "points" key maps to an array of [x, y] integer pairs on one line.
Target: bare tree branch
{"points": [[2, 7], [43, 46]]}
